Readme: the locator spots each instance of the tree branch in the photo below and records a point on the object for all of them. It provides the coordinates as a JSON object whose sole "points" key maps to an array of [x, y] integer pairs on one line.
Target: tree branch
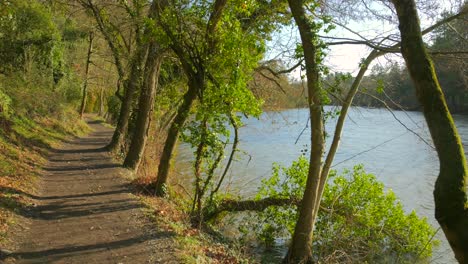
{"points": [[230, 205]]}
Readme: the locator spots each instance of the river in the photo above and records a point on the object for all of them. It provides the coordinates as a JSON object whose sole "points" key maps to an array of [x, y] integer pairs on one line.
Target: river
{"points": [[395, 147]]}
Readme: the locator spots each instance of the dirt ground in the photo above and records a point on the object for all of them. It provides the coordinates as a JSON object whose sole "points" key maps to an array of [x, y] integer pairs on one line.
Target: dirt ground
{"points": [[85, 212]]}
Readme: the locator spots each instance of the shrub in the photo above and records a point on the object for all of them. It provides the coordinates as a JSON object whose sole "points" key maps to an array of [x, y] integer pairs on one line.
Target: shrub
{"points": [[357, 217]]}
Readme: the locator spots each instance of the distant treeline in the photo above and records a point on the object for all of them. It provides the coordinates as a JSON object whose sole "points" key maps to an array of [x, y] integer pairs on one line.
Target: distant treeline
{"points": [[277, 90], [386, 85], [390, 86]]}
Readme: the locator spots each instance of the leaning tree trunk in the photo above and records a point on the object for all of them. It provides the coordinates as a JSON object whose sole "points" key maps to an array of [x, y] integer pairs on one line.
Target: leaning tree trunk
{"points": [[130, 86], [172, 136], [450, 188], [145, 107], [85, 85], [300, 250]]}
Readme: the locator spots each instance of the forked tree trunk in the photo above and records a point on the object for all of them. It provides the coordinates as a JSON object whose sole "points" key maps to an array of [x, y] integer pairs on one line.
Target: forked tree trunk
{"points": [[450, 188], [300, 250], [145, 107], [172, 137], [85, 85]]}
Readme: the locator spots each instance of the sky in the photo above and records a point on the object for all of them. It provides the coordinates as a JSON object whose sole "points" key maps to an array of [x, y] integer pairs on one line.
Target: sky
{"points": [[340, 58], [346, 58]]}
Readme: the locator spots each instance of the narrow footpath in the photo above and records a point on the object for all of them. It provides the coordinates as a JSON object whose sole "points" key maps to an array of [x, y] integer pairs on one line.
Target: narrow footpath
{"points": [[86, 213]]}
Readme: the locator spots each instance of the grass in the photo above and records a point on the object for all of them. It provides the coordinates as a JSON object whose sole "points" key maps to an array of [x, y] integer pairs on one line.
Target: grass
{"points": [[24, 146], [192, 245]]}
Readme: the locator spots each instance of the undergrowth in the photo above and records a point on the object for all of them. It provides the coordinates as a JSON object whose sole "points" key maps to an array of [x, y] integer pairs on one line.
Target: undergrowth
{"points": [[192, 245], [359, 221]]}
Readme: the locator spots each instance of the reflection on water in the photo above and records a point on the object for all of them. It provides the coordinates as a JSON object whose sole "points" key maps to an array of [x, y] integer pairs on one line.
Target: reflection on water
{"points": [[399, 153]]}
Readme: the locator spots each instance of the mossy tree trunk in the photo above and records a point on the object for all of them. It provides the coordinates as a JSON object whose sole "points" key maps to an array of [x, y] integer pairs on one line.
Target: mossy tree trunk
{"points": [[154, 54], [172, 136], [300, 250], [130, 87], [145, 107], [450, 188]]}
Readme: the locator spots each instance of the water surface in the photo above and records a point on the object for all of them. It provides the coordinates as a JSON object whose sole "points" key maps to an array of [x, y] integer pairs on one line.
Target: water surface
{"points": [[395, 147]]}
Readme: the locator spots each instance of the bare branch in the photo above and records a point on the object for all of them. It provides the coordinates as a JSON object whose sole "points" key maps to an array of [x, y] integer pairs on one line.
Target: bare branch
{"points": [[273, 80], [250, 205], [397, 119]]}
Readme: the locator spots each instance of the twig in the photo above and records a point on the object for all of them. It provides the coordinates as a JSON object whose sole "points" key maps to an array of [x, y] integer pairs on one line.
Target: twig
{"points": [[303, 130], [396, 118]]}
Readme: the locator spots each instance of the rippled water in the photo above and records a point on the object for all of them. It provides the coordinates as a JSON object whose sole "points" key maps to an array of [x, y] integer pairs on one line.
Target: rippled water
{"points": [[401, 157]]}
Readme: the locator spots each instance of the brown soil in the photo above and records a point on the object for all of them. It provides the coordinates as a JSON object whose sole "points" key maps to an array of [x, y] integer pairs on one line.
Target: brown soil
{"points": [[86, 212]]}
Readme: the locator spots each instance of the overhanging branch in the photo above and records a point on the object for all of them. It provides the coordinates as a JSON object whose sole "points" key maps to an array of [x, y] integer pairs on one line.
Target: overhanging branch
{"points": [[250, 205]]}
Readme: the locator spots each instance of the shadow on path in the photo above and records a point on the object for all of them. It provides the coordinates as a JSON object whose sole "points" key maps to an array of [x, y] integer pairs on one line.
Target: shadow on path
{"points": [[85, 212]]}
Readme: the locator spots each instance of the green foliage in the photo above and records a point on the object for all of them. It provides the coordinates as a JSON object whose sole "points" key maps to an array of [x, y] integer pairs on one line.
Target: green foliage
{"points": [[278, 222], [451, 69], [69, 88], [33, 96], [27, 34], [390, 83], [5, 105], [380, 86], [34, 71], [357, 216], [225, 58], [113, 107], [70, 29]]}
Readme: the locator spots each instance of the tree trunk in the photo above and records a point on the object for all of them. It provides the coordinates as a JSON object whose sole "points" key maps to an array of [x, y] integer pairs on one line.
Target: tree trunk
{"points": [[117, 142], [197, 199], [450, 188], [145, 107], [101, 101], [85, 85], [130, 86], [172, 136], [300, 250], [352, 92], [341, 121], [231, 156], [231, 205]]}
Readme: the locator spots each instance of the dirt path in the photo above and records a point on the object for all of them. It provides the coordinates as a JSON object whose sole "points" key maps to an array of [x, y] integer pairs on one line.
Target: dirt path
{"points": [[86, 213]]}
